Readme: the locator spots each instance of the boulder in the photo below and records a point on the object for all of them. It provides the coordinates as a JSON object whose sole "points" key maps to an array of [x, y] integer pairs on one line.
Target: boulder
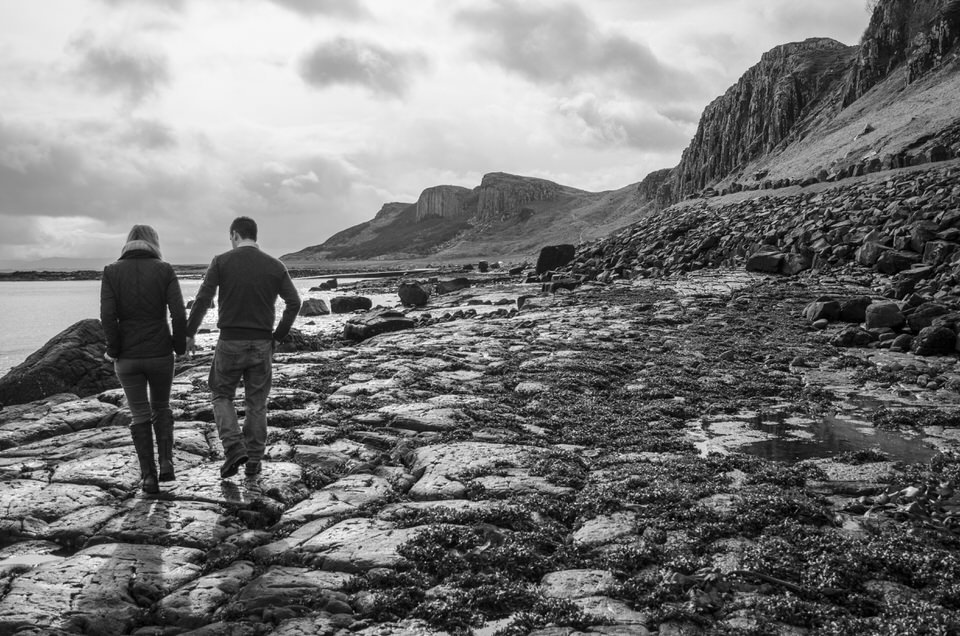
{"points": [[923, 316], [348, 304], [562, 283], [884, 315], [870, 252], [855, 309], [413, 294], [456, 284], [555, 256], [853, 336], [314, 307], [938, 252], [794, 264], [483, 267], [327, 285], [825, 308], [934, 341], [374, 323], [766, 262], [70, 362], [902, 343], [895, 261]]}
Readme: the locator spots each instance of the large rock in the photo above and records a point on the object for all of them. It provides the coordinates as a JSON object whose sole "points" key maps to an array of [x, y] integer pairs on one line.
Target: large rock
{"points": [[455, 284], [413, 294], [348, 304], [855, 309], [884, 315], [70, 362], [822, 308], [375, 323], [314, 307], [934, 341], [924, 315], [555, 256], [894, 261], [765, 262]]}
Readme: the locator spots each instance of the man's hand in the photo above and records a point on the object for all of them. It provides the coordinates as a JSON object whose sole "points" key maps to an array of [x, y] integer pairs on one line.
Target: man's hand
{"points": [[191, 346]]}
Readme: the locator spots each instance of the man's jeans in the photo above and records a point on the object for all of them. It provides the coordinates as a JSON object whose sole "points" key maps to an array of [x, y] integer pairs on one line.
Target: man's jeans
{"points": [[136, 375], [251, 361]]}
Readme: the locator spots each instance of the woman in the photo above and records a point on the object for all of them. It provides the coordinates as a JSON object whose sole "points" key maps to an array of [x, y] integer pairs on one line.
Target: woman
{"points": [[135, 294]]}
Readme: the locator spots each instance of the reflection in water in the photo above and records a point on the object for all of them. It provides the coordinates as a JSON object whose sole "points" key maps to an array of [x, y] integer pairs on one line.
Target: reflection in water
{"points": [[832, 436]]}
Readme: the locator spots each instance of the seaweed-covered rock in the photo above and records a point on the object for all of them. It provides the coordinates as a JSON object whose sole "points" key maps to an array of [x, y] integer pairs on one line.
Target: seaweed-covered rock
{"points": [[934, 340], [347, 304], [374, 323]]}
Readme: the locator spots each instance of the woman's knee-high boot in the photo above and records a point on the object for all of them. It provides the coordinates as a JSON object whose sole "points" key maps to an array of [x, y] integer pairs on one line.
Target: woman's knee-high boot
{"points": [[163, 429], [143, 442]]}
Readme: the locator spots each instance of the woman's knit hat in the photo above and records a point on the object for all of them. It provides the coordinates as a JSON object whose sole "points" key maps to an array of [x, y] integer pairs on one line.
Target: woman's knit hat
{"points": [[142, 237]]}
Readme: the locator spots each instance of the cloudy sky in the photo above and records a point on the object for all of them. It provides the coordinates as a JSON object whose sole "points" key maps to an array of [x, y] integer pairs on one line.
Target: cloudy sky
{"points": [[309, 115]]}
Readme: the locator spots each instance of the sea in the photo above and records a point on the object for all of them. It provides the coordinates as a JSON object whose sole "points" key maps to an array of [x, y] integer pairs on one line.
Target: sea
{"points": [[33, 312]]}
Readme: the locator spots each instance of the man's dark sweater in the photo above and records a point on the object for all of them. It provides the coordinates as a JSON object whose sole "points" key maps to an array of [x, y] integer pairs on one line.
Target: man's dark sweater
{"points": [[249, 282]]}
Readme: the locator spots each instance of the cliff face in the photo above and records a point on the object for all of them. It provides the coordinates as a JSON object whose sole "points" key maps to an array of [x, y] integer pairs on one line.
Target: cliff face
{"points": [[444, 201], [506, 194], [763, 110], [916, 32]]}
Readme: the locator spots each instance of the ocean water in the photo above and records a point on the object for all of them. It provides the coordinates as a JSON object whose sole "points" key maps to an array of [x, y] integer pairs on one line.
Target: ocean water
{"points": [[32, 312]]}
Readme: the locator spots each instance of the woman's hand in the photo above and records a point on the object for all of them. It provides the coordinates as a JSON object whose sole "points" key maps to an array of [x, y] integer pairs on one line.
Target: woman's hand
{"points": [[108, 358]]}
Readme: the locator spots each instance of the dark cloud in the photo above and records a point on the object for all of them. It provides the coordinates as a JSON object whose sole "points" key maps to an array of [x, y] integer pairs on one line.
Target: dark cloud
{"points": [[61, 173], [560, 43], [353, 9], [114, 69], [348, 62], [148, 134]]}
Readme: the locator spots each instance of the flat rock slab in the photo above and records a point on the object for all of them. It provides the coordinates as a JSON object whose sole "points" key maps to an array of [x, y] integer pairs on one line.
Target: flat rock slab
{"points": [[353, 545], [424, 416], [196, 603], [279, 482], [344, 496], [285, 586], [29, 498], [104, 589], [193, 524], [577, 583], [72, 445], [62, 418], [606, 529], [446, 469]]}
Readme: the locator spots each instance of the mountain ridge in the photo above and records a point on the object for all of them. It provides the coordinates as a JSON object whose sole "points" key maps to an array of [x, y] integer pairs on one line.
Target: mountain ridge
{"points": [[808, 111]]}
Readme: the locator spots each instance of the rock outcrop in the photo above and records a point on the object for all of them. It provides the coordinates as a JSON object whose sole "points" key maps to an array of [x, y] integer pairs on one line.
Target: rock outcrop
{"points": [[505, 194], [70, 362], [765, 109], [917, 33], [444, 201]]}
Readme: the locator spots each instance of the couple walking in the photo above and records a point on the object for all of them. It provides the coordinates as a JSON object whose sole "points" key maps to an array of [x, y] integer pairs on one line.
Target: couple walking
{"points": [[136, 293]]}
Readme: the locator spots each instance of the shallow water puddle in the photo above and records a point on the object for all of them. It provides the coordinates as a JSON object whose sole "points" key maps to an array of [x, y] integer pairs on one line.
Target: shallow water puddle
{"points": [[778, 436]]}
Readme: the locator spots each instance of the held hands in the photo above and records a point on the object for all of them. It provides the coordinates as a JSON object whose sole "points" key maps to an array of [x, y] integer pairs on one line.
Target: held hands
{"points": [[108, 358], [191, 346]]}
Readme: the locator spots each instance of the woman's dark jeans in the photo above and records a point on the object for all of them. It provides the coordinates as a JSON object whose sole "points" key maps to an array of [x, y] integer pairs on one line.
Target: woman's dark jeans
{"points": [[137, 375]]}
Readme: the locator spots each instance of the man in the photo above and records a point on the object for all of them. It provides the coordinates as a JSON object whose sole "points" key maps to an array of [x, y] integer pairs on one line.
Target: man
{"points": [[250, 282]]}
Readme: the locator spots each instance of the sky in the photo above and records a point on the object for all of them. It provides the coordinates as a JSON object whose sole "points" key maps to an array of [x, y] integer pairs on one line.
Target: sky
{"points": [[310, 115]]}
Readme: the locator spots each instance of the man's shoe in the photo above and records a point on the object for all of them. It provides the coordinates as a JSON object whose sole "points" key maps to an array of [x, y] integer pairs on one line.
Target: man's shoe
{"points": [[252, 469], [232, 464]]}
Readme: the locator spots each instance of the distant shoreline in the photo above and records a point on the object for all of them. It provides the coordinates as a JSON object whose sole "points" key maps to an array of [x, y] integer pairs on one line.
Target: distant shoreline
{"points": [[197, 271]]}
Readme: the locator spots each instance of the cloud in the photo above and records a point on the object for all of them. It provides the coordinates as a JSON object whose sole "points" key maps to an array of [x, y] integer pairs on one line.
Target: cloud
{"points": [[115, 69], [349, 62], [623, 124], [560, 44], [172, 5], [352, 9]]}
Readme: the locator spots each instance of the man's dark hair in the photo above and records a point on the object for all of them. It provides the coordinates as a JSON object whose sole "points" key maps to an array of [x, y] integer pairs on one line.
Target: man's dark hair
{"points": [[245, 227]]}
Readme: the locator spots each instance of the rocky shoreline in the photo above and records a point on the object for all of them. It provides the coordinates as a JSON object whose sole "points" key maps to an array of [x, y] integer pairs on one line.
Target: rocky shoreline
{"points": [[573, 466]]}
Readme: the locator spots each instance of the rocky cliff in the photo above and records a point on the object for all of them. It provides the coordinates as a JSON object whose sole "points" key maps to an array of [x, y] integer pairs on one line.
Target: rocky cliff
{"points": [[504, 194], [768, 107], [918, 33], [445, 201]]}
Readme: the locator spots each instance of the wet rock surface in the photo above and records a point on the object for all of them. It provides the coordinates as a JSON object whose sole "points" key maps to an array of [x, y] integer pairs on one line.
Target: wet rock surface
{"points": [[613, 459]]}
